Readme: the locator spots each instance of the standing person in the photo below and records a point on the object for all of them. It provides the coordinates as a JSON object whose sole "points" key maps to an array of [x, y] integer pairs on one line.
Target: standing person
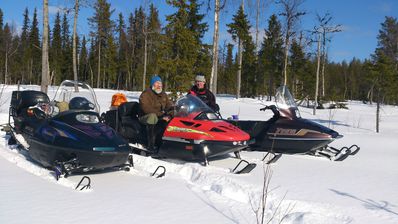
{"points": [[200, 90], [154, 105]]}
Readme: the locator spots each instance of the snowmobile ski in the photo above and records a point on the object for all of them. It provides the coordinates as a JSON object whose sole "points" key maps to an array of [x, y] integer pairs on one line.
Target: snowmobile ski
{"points": [[246, 169]]}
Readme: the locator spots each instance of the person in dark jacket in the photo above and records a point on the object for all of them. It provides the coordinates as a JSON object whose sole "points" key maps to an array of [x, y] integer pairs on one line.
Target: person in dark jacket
{"points": [[202, 92], [154, 105]]}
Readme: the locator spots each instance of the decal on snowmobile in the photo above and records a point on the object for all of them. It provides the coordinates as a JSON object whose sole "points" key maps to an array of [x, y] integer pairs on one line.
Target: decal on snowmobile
{"points": [[189, 130], [293, 132], [303, 132]]}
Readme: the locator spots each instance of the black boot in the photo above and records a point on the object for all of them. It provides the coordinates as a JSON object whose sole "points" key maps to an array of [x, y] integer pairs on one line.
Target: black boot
{"points": [[151, 137]]}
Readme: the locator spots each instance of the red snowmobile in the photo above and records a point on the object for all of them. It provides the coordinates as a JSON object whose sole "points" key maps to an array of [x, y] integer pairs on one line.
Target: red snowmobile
{"points": [[194, 133]]}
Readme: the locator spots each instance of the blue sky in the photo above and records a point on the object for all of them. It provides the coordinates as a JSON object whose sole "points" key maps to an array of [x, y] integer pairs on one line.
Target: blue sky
{"points": [[360, 19]]}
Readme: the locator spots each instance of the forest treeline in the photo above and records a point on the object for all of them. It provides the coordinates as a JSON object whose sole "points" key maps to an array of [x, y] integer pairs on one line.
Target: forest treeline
{"points": [[124, 53]]}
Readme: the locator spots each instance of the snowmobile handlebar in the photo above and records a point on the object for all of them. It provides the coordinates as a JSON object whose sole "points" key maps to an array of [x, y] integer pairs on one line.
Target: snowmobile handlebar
{"points": [[273, 108], [270, 107]]}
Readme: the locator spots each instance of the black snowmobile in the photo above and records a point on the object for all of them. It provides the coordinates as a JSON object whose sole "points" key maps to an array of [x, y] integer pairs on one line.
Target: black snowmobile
{"points": [[287, 133], [66, 134]]}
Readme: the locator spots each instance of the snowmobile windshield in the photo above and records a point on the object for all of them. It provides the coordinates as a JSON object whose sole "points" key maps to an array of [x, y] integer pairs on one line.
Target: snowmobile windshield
{"points": [[192, 107], [285, 101], [67, 98]]}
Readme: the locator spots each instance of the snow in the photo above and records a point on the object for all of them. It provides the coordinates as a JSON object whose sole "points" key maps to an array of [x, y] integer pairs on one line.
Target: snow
{"points": [[303, 189]]}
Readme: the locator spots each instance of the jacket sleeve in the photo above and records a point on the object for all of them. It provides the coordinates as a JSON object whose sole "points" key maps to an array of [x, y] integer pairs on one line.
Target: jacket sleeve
{"points": [[212, 101]]}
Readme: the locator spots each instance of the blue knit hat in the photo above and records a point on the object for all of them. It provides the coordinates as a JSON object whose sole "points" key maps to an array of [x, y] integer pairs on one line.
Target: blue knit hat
{"points": [[154, 79]]}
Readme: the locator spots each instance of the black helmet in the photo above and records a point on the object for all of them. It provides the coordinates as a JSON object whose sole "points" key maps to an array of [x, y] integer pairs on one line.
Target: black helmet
{"points": [[80, 103]]}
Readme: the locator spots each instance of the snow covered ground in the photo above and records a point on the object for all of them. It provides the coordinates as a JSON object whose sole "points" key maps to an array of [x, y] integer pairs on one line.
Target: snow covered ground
{"points": [[361, 189]]}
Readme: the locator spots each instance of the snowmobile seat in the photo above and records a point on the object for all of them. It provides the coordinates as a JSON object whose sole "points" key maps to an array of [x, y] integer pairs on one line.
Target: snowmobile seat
{"points": [[253, 128], [110, 118], [129, 124]]}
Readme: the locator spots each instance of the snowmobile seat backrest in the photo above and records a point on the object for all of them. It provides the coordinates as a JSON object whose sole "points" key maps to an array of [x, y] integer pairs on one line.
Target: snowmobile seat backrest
{"points": [[129, 109], [130, 127], [21, 100], [111, 119]]}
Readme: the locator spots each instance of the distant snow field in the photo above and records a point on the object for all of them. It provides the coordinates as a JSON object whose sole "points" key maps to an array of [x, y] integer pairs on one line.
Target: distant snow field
{"points": [[303, 189]]}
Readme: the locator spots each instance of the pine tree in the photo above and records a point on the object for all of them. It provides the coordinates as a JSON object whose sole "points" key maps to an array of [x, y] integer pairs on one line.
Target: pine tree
{"points": [[35, 50], [154, 41], [139, 45], [199, 28], [105, 49], [56, 51], [226, 80], [66, 65], [385, 61], [181, 48], [271, 57], [300, 81], [130, 81], [195, 23], [388, 39], [239, 29], [6, 48], [1, 45], [24, 48], [122, 52], [83, 62]]}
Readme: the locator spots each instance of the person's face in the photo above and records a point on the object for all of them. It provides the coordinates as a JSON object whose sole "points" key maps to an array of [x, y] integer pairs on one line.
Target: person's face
{"points": [[200, 84], [158, 86]]}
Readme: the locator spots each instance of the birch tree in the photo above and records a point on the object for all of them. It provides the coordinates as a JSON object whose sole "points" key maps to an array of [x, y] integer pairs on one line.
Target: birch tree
{"points": [[44, 64], [292, 14], [325, 28], [75, 44]]}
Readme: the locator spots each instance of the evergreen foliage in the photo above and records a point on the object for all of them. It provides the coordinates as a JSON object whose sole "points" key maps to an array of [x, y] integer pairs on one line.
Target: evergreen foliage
{"points": [[113, 55]]}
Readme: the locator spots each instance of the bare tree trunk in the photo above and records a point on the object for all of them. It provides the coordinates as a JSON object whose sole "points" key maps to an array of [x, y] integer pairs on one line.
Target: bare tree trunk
{"points": [[128, 79], [257, 21], [6, 69], [74, 43], [145, 59], [214, 69], [239, 72], [44, 62], [287, 42], [30, 71], [91, 76], [378, 112], [99, 64], [292, 14], [317, 74], [323, 61]]}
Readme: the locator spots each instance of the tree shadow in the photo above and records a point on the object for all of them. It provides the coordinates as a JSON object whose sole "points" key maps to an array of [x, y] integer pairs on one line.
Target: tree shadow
{"points": [[369, 203]]}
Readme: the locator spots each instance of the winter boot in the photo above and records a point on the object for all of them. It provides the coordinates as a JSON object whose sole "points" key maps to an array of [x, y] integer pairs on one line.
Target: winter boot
{"points": [[151, 137]]}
